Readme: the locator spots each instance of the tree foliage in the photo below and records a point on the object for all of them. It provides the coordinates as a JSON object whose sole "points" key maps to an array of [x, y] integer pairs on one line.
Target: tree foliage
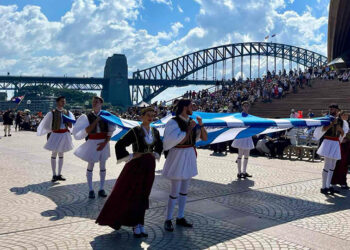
{"points": [[72, 96]]}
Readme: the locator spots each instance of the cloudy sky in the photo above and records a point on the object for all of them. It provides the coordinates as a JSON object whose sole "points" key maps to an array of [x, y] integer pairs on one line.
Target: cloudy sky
{"points": [[74, 37]]}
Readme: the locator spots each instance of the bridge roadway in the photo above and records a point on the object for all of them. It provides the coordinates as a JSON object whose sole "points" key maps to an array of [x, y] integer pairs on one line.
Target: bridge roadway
{"points": [[88, 83], [279, 208]]}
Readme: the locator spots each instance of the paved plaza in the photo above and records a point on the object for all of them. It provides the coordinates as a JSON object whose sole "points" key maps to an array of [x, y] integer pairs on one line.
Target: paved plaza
{"points": [[279, 208]]}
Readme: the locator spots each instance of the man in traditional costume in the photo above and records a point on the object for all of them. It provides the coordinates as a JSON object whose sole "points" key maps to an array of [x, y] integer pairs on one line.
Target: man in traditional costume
{"points": [[56, 125], [97, 133], [330, 147], [244, 146], [127, 204], [180, 136], [341, 168]]}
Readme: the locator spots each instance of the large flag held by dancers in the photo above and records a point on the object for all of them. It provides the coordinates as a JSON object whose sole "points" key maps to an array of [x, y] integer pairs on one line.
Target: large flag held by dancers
{"points": [[223, 126]]}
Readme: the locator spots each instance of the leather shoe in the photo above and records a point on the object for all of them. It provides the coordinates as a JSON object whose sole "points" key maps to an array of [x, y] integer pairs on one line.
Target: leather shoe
{"points": [[324, 191], [246, 175], [168, 226], [92, 194], [60, 178], [102, 193], [240, 176], [333, 191], [183, 222], [54, 178]]}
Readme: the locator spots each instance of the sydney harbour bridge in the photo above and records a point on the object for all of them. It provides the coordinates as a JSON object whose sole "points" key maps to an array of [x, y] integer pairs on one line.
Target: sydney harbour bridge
{"points": [[202, 67]]}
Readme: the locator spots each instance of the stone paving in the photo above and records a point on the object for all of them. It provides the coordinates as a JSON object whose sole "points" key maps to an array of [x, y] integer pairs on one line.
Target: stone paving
{"points": [[279, 208]]}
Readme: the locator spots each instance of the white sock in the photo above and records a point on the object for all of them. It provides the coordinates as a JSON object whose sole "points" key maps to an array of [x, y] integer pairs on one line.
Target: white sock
{"points": [[239, 164], [89, 179], [102, 179], [245, 163], [324, 178], [329, 178], [53, 165], [170, 208], [60, 165], [182, 203]]}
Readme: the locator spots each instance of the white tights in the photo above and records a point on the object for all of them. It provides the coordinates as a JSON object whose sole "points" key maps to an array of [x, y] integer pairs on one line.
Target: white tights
{"points": [[241, 153], [328, 170], [53, 162], [178, 189], [89, 170]]}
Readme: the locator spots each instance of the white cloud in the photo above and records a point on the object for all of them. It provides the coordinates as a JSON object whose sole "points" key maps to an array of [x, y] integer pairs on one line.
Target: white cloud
{"points": [[87, 34], [180, 9], [166, 2]]}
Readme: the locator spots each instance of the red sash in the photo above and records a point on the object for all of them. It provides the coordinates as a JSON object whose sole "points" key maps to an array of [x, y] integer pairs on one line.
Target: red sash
{"points": [[187, 146], [331, 138], [98, 136], [60, 131]]}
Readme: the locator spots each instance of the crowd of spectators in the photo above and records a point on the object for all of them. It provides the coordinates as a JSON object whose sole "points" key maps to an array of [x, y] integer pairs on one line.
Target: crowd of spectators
{"points": [[23, 120], [228, 95]]}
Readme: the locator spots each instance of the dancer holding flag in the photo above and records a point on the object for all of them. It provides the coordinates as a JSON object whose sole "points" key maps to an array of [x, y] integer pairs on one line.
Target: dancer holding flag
{"points": [[180, 136], [332, 135], [244, 146], [56, 125], [97, 133], [127, 204]]}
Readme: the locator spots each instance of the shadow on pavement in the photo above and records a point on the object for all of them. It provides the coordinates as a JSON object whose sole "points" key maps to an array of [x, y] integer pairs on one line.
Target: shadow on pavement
{"points": [[73, 201]]}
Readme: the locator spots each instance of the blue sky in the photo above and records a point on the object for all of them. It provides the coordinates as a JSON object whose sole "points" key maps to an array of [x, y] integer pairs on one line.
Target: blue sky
{"points": [[75, 37]]}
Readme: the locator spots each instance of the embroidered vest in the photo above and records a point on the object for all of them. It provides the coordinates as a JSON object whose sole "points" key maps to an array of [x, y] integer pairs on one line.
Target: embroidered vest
{"points": [[140, 145], [103, 125], [56, 118]]}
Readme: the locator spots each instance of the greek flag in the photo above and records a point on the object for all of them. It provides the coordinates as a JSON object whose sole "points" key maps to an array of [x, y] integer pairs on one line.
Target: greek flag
{"points": [[223, 127]]}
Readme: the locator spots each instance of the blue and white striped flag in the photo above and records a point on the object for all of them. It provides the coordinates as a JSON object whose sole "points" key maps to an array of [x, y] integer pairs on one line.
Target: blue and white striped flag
{"points": [[223, 127]]}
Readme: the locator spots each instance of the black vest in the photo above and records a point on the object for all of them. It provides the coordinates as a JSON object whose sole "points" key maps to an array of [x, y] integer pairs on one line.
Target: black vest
{"points": [[332, 132], [183, 125], [140, 145], [103, 125]]}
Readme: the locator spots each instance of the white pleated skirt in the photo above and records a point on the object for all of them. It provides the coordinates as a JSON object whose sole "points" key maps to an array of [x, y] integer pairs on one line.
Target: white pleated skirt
{"points": [[88, 151], [244, 143], [330, 149], [180, 164], [59, 142]]}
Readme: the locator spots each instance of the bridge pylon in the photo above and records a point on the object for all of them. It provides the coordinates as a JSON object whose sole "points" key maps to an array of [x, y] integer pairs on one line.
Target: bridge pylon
{"points": [[116, 91]]}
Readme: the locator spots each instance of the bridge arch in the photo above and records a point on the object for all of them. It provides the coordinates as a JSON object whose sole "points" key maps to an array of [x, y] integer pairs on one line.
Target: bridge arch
{"points": [[181, 67]]}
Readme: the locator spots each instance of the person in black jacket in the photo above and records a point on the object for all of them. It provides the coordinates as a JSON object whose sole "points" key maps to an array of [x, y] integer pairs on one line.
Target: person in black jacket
{"points": [[8, 122]]}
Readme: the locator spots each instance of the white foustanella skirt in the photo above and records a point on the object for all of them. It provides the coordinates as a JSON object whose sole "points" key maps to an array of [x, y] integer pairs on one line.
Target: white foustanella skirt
{"points": [[330, 149], [59, 142], [244, 143], [88, 151], [180, 164]]}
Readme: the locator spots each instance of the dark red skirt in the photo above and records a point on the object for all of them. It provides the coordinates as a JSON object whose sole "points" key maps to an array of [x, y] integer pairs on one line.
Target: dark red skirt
{"points": [[341, 169], [129, 198]]}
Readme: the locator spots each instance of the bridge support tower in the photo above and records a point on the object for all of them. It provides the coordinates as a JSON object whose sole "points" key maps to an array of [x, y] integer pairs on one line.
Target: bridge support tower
{"points": [[116, 91]]}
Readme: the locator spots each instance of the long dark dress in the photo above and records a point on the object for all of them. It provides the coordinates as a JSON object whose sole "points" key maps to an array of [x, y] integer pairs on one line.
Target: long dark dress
{"points": [[127, 203], [341, 169]]}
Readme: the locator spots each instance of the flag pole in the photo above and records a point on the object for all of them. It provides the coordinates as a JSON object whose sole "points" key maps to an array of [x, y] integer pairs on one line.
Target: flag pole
{"points": [[20, 102]]}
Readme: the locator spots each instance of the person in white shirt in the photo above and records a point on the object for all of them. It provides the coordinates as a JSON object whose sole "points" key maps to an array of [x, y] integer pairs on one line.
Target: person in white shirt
{"points": [[59, 137], [180, 136], [97, 133]]}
